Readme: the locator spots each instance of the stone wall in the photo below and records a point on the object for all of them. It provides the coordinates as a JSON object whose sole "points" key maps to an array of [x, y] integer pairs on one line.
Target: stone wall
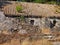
{"points": [[14, 24], [36, 21]]}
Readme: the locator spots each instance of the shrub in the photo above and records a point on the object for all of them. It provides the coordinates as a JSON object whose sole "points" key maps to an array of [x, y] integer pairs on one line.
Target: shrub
{"points": [[52, 2], [40, 1], [22, 18], [58, 3], [19, 8]]}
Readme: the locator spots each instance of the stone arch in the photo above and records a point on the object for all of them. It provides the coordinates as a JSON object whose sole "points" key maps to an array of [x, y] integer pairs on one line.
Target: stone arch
{"points": [[32, 22], [53, 24]]}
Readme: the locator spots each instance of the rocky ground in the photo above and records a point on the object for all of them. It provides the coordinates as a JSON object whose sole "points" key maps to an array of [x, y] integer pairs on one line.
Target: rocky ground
{"points": [[16, 38]]}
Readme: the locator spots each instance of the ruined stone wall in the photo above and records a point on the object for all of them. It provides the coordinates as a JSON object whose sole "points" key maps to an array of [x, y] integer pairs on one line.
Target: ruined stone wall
{"points": [[14, 24], [9, 25], [36, 21]]}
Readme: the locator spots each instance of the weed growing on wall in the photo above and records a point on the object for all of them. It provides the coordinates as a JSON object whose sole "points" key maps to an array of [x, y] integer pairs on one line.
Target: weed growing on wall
{"points": [[19, 8]]}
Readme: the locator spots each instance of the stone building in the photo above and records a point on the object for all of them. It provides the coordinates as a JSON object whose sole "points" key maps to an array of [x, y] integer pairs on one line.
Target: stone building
{"points": [[42, 15]]}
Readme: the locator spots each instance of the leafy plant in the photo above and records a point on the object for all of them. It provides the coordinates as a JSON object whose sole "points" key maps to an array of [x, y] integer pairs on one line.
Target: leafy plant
{"points": [[40, 1], [19, 8], [21, 0], [22, 18], [51, 2]]}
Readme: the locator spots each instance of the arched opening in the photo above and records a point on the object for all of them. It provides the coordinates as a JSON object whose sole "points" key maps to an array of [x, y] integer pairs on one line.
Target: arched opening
{"points": [[52, 24], [32, 22]]}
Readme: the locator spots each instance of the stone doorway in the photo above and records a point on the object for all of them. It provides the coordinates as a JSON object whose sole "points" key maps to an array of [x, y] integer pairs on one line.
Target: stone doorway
{"points": [[32, 22], [52, 24]]}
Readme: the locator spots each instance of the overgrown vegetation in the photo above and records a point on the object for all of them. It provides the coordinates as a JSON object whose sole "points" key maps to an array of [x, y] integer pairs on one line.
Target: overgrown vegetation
{"points": [[43, 1], [51, 2], [40, 1], [19, 8], [22, 18]]}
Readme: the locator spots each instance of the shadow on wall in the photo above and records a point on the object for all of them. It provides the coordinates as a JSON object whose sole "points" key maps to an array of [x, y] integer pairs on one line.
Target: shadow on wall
{"points": [[52, 24]]}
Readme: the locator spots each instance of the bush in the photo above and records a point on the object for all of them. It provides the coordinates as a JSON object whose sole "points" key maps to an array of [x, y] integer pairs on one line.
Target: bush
{"points": [[52, 2], [19, 8], [58, 3], [22, 18], [40, 1]]}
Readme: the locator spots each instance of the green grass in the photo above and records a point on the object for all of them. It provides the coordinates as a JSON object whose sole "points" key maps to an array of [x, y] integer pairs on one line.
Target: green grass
{"points": [[22, 18], [19, 8]]}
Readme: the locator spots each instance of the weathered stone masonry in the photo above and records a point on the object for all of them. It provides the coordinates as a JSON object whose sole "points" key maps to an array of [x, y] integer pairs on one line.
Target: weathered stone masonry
{"points": [[12, 22]]}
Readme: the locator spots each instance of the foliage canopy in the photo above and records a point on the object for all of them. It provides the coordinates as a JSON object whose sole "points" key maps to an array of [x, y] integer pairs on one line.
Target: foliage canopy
{"points": [[43, 1]]}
